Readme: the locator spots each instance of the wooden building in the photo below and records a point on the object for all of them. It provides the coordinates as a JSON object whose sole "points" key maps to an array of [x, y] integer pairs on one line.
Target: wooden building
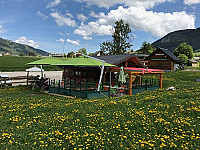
{"points": [[125, 60], [192, 63], [162, 59], [92, 78]]}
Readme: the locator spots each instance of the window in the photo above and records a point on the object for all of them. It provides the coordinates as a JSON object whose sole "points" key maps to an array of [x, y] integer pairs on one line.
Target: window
{"points": [[159, 59], [159, 54]]}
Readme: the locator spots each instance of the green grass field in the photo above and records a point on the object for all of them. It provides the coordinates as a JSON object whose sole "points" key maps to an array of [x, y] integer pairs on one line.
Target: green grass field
{"points": [[14, 63], [197, 53], [151, 120]]}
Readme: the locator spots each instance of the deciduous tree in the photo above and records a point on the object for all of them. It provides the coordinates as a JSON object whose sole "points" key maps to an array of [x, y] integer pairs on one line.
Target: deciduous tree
{"points": [[183, 58], [184, 49], [120, 42], [82, 51], [146, 48]]}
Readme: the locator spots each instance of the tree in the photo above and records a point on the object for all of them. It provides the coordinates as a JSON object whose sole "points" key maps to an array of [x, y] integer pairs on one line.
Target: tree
{"points": [[21, 54], [183, 58], [90, 54], [70, 54], [31, 54], [120, 43], [82, 51], [146, 48], [184, 49], [106, 48]]}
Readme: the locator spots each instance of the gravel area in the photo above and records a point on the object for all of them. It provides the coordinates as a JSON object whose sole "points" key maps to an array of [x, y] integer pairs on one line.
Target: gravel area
{"points": [[48, 74]]}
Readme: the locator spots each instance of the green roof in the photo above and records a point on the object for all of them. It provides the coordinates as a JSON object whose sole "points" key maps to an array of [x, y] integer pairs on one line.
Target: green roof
{"points": [[83, 61], [47, 61]]}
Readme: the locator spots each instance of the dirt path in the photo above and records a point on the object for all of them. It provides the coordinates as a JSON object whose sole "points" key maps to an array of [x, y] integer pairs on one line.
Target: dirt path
{"points": [[48, 74], [192, 70]]}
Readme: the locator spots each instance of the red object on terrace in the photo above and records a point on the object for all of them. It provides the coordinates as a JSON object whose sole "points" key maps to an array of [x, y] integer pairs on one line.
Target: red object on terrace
{"points": [[139, 69]]}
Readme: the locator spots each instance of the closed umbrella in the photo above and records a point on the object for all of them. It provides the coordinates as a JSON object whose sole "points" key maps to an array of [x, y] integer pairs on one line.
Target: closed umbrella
{"points": [[122, 78]]}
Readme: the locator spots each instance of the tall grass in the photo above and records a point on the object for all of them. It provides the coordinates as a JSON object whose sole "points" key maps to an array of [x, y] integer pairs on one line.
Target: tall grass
{"points": [[151, 120], [14, 63]]}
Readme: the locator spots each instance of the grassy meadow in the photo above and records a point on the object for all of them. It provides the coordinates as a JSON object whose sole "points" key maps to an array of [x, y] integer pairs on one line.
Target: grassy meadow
{"points": [[151, 120], [15, 63]]}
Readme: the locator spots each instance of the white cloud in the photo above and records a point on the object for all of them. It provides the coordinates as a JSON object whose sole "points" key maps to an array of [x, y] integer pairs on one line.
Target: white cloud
{"points": [[61, 40], [87, 38], [69, 41], [63, 34], [109, 3], [44, 17], [62, 20], [53, 3], [190, 2], [70, 15], [24, 40], [93, 14], [82, 17], [1, 29], [93, 28], [159, 24], [73, 42]]}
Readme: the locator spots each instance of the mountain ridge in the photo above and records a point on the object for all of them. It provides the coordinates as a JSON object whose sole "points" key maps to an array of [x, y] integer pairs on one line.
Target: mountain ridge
{"points": [[17, 48], [174, 39]]}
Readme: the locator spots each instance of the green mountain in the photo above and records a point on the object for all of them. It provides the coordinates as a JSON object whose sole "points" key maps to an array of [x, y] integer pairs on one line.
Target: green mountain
{"points": [[174, 39], [16, 48]]}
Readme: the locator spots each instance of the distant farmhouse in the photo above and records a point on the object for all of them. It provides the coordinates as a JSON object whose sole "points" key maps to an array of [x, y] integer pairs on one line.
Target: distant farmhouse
{"points": [[56, 55], [162, 59], [7, 54], [192, 63]]}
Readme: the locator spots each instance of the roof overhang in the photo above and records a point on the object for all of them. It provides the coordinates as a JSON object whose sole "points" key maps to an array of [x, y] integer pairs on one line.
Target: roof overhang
{"points": [[134, 70]]}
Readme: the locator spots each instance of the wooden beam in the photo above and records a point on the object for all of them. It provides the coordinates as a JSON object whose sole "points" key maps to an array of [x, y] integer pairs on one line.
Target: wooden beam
{"points": [[126, 63], [130, 84]]}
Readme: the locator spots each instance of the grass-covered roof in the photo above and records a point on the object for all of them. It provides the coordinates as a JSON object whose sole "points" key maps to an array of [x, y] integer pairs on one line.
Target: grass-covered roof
{"points": [[82, 61]]}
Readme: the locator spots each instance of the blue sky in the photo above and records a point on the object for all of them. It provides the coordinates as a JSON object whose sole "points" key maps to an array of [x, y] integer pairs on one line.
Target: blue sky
{"points": [[46, 24]]}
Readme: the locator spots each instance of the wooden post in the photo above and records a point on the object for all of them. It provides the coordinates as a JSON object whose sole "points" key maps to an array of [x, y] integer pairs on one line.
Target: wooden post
{"points": [[80, 85], [49, 83], [27, 78], [130, 84], [126, 63], [160, 81], [110, 85], [104, 77]]}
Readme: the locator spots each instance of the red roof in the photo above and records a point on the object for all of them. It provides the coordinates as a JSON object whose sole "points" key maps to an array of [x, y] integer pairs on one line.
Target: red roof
{"points": [[144, 70]]}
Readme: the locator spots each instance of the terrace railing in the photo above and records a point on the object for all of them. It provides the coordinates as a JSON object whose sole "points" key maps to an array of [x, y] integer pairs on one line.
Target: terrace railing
{"points": [[77, 88]]}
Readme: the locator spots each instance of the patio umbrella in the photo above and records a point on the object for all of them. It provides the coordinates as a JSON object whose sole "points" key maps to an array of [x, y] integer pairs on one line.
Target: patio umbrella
{"points": [[122, 78]]}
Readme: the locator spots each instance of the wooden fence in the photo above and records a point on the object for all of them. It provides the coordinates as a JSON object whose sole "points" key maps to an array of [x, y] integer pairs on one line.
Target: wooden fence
{"points": [[10, 81]]}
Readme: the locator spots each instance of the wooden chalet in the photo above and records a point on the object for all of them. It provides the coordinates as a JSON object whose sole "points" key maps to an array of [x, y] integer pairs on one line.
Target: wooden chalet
{"points": [[162, 59], [93, 77], [142, 58]]}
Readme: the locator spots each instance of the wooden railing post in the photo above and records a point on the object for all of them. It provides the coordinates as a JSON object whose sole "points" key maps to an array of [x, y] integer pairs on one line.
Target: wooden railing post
{"points": [[130, 83]]}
